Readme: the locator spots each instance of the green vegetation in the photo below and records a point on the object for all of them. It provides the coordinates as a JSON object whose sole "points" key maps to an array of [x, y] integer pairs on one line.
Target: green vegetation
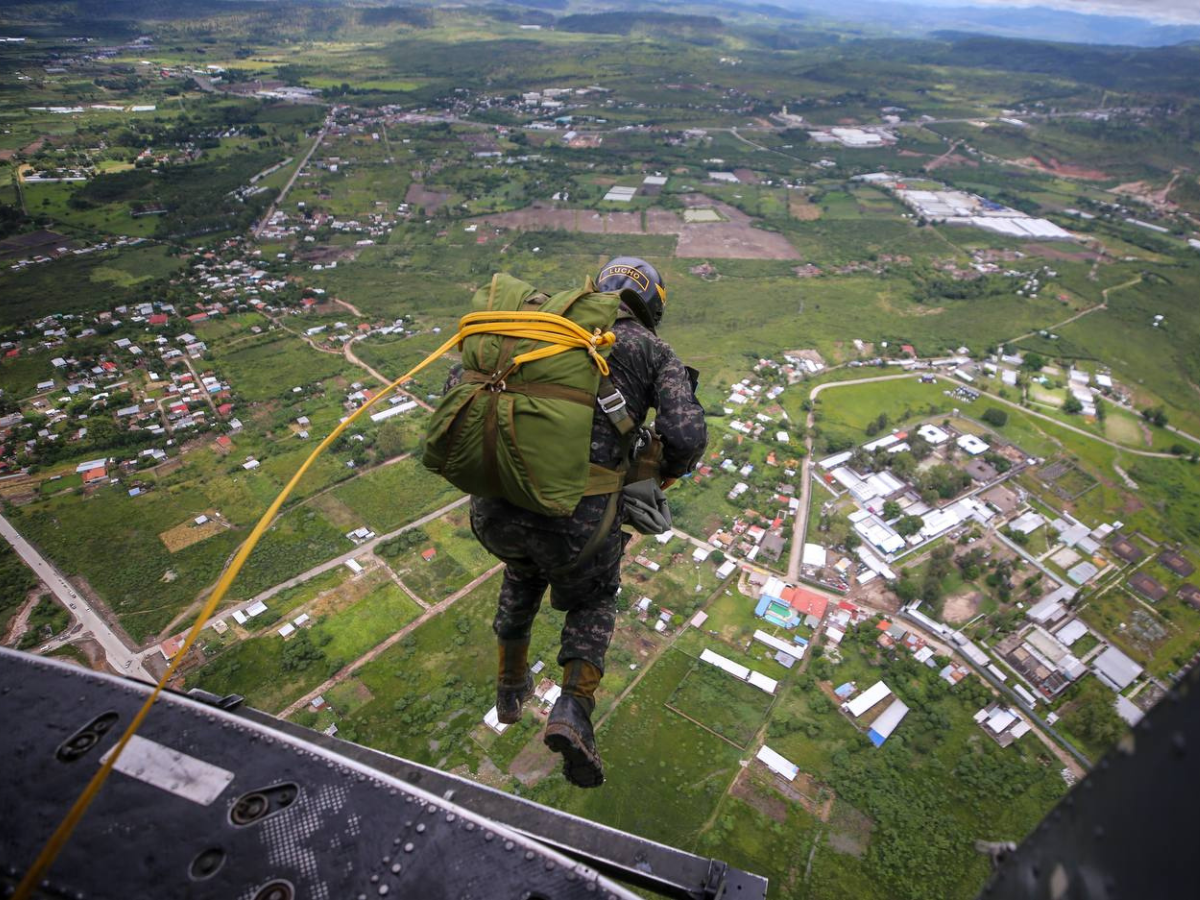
{"points": [[270, 671], [396, 219], [47, 619], [395, 495], [733, 709], [15, 582]]}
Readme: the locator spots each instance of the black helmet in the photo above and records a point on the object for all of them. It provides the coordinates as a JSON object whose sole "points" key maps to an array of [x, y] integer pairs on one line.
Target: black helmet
{"points": [[633, 274]]}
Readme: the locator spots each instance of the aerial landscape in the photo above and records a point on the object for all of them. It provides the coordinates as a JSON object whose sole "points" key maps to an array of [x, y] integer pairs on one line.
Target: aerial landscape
{"points": [[937, 265]]}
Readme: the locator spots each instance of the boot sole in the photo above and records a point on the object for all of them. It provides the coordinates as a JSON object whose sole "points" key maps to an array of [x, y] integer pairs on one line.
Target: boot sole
{"points": [[510, 720], [581, 767]]}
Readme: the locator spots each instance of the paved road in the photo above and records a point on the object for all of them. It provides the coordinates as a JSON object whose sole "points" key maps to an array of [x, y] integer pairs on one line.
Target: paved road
{"points": [[800, 528], [353, 358], [122, 659], [1095, 437], [365, 547], [287, 187]]}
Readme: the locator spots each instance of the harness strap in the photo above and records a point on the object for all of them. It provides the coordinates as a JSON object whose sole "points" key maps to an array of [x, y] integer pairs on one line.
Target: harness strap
{"points": [[592, 547]]}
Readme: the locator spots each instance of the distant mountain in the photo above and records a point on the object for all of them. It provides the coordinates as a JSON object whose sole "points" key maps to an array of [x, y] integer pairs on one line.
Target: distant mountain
{"points": [[1040, 23]]}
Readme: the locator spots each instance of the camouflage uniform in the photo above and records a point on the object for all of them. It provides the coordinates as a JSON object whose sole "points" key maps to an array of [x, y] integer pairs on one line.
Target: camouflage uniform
{"points": [[649, 374]]}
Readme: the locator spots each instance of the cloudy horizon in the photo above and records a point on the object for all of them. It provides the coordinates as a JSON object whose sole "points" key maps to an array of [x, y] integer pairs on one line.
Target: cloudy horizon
{"points": [[1172, 12]]}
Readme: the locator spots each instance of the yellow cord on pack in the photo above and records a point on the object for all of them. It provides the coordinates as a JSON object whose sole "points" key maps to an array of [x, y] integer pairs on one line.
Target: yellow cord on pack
{"points": [[558, 332]]}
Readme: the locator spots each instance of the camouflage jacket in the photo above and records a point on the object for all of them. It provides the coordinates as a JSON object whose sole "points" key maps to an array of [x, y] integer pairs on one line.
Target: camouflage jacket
{"points": [[646, 371]]}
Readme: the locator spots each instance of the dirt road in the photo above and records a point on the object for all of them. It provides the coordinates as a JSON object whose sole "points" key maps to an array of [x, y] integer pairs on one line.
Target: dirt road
{"points": [[346, 671]]}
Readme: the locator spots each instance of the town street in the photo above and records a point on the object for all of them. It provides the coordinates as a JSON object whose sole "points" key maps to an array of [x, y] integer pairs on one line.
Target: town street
{"points": [[800, 528], [287, 187], [122, 659]]}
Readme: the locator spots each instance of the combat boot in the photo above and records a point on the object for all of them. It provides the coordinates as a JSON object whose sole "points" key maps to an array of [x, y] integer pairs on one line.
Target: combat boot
{"points": [[569, 729], [514, 684]]}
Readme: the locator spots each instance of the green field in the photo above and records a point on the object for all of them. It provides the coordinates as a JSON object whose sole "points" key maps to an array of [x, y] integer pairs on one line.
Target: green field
{"points": [[395, 495], [733, 709], [380, 244]]}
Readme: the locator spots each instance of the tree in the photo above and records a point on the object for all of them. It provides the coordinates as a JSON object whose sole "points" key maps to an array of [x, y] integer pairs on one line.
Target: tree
{"points": [[1072, 406], [1155, 415], [908, 526], [300, 652], [1098, 719], [891, 510], [1033, 362], [995, 416]]}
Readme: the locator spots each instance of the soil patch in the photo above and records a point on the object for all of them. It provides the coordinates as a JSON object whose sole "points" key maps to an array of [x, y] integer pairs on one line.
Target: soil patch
{"points": [[1054, 167], [1054, 252], [189, 532], [962, 607], [954, 159], [348, 593], [534, 762], [744, 788], [419, 195], [801, 207], [735, 237]]}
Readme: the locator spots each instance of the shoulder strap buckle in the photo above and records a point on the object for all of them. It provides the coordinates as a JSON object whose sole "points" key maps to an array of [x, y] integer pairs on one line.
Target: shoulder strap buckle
{"points": [[613, 404]]}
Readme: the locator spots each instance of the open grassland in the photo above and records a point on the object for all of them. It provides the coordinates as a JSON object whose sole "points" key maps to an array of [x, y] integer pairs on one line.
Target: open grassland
{"points": [[733, 709], [394, 495], [458, 558], [76, 284], [273, 367], [654, 758], [262, 670]]}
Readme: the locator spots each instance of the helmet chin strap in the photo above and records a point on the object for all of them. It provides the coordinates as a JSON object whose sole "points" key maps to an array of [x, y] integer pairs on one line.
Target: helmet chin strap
{"points": [[641, 311]]}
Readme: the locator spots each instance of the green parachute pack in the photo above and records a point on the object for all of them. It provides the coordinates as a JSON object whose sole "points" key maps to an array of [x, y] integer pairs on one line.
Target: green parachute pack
{"points": [[518, 425]]}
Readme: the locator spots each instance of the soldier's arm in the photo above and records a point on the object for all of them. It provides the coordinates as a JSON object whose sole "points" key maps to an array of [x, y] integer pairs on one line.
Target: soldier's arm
{"points": [[680, 417]]}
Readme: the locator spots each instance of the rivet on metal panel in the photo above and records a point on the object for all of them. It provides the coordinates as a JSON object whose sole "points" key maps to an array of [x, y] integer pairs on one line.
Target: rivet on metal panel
{"points": [[276, 890], [206, 864]]}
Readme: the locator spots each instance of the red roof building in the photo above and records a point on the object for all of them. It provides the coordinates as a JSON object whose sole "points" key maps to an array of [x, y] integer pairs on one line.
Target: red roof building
{"points": [[198, 317], [159, 319], [94, 475], [172, 645], [429, 554], [807, 603], [224, 409], [224, 441]]}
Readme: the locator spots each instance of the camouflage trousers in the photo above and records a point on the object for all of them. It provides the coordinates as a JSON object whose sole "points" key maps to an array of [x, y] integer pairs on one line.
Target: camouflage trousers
{"points": [[532, 547]]}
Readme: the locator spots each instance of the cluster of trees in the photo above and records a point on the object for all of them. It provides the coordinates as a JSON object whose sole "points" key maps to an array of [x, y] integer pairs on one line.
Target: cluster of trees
{"points": [[1156, 416], [46, 620], [995, 416], [1097, 720], [929, 589], [403, 542], [877, 425]]}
